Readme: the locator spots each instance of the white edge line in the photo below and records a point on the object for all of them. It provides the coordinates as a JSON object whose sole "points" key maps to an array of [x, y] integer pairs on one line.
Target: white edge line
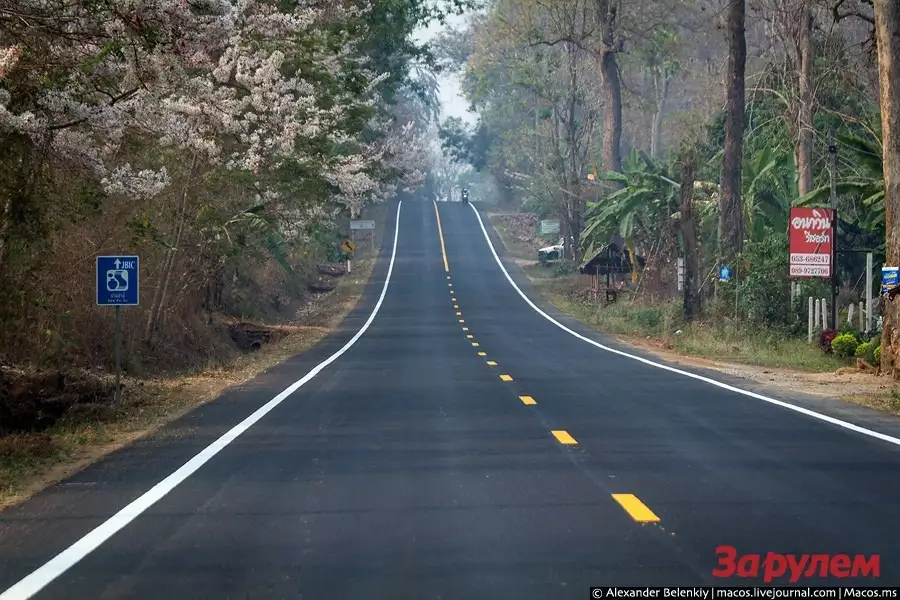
{"points": [[37, 580], [875, 434]]}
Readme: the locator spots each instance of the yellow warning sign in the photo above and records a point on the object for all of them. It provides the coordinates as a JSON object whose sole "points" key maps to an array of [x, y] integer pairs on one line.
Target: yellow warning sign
{"points": [[348, 246]]}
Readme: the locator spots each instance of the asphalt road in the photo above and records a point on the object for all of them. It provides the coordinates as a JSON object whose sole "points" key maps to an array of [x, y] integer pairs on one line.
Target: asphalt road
{"points": [[461, 446]]}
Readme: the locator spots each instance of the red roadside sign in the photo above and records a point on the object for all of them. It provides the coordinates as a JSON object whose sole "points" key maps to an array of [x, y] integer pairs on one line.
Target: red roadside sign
{"points": [[812, 240]]}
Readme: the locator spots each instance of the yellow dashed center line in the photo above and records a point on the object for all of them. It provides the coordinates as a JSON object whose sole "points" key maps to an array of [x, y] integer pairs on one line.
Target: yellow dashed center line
{"points": [[469, 336], [453, 299], [461, 321], [564, 437], [482, 354], [637, 509], [491, 363], [465, 328], [505, 378], [455, 306], [459, 314], [450, 285], [527, 400], [474, 344], [441, 235]]}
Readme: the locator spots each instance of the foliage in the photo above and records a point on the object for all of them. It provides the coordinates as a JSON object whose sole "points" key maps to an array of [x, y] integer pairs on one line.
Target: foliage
{"points": [[825, 338], [766, 262], [844, 345], [865, 188], [876, 356], [226, 143], [866, 351], [647, 196]]}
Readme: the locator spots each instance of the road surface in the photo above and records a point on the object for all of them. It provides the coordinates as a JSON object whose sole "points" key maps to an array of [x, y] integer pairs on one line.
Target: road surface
{"points": [[460, 444]]}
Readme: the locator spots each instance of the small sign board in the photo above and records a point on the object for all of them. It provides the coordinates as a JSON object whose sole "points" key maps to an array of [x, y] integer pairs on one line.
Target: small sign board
{"points": [[348, 246], [724, 273], [549, 226], [362, 225], [811, 234], [118, 280], [680, 274], [890, 278]]}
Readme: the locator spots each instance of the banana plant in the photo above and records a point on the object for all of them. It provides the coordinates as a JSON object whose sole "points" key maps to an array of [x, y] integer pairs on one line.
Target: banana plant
{"points": [[867, 185], [769, 182], [647, 191]]}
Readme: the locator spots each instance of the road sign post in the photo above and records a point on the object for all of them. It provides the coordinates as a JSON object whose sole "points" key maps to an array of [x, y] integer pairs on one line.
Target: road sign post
{"points": [[368, 225], [118, 342], [348, 247], [118, 284]]}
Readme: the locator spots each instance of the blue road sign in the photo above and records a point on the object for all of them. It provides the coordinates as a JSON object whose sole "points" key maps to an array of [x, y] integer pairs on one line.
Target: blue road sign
{"points": [[890, 277], [724, 273], [117, 280]]}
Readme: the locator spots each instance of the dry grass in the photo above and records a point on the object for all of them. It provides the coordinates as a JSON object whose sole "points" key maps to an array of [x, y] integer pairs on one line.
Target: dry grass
{"points": [[30, 462]]}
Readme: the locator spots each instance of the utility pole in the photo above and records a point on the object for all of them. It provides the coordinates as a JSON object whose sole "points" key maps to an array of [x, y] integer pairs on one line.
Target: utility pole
{"points": [[832, 159], [869, 293]]}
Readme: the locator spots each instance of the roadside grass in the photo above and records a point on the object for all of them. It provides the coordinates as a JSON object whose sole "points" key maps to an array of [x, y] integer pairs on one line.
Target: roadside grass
{"points": [[723, 341], [31, 461]]}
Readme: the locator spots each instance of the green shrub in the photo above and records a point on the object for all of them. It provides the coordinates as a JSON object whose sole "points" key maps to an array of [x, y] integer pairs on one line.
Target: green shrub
{"points": [[844, 345], [647, 320], [565, 267], [866, 351], [876, 355]]}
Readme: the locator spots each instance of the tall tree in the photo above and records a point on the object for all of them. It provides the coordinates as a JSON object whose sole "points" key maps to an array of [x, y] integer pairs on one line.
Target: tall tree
{"points": [[611, 44], [730, 213], [887, 33]]}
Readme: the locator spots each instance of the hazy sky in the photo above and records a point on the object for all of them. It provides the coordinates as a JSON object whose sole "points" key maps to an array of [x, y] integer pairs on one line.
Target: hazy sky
{"points": [[452, 102]]}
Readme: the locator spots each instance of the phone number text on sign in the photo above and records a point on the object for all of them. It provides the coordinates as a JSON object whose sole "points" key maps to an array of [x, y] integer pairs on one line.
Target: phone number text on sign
{"points": [[810, 259], [810, 270]]}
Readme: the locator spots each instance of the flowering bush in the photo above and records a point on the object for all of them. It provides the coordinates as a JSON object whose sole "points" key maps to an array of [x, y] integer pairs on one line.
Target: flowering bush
{"points": [[825, 339], [243, 85]]}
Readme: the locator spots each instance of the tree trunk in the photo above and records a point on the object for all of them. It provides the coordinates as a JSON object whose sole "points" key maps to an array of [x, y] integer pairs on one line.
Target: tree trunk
{"points": [[689, 238], [5, 213], [574, 203], [612, 122], [607, 13], [887, 32], [159, 297], [805, 115], [661, 85], [730, 213]]}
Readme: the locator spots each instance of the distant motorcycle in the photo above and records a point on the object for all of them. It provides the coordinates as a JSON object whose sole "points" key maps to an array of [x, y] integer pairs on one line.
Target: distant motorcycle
{"points": [[465, 196]]}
